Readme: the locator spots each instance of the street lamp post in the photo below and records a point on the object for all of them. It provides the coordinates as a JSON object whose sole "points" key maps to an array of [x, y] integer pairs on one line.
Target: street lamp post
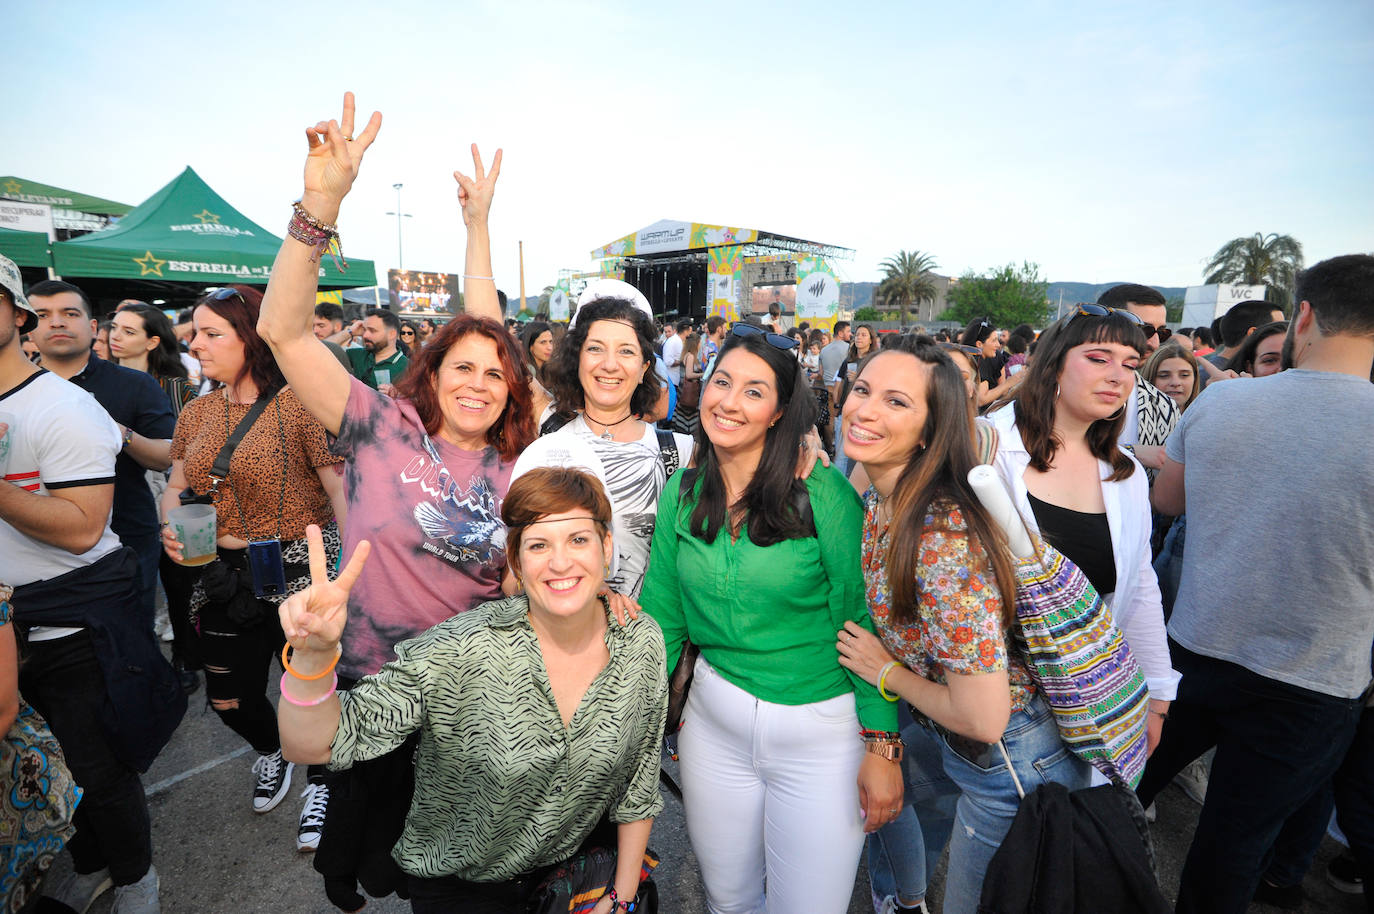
{"points": [[400, 257]]}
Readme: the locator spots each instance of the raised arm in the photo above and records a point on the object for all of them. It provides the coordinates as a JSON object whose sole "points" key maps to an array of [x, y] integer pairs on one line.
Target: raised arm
{"points": [[288, 306], [474, 195]]}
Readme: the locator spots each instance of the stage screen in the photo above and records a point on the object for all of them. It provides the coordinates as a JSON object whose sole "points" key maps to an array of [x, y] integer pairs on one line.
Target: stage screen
{"points": [[424, 293], [784, 295]]}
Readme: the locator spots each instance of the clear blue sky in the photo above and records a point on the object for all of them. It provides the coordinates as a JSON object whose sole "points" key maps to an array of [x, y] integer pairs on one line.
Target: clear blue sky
{"points": [[1104, 142]]}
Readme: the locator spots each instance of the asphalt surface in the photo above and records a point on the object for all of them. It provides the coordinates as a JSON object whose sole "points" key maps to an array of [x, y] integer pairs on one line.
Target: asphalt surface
{"points": [[214, 855]]}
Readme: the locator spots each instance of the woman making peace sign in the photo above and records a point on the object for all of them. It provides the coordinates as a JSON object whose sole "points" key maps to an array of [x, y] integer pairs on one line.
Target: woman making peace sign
{"points": [[538, 716]]}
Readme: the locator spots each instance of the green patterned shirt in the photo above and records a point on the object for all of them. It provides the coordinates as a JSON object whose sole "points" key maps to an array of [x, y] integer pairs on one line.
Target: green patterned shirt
{"points": [[501, 787]]}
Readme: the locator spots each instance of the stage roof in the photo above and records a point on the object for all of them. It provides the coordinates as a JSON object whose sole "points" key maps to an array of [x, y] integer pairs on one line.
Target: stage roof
{"points": [[188, 233], [667, 237], [12, 188]]}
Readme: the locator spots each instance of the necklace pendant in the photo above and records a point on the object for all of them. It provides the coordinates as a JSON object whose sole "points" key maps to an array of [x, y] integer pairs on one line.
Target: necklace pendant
{"points": [[607, 436]]}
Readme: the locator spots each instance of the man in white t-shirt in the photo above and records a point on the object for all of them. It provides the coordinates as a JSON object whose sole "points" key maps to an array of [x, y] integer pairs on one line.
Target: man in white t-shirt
{"points": [[57, 456]]}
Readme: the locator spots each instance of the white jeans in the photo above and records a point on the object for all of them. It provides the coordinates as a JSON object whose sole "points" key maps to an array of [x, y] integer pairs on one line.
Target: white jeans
{"points": [[771, 794]]}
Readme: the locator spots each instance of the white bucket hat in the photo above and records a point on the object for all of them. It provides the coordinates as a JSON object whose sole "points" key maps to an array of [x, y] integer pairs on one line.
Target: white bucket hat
{"points": [[13, 283]]}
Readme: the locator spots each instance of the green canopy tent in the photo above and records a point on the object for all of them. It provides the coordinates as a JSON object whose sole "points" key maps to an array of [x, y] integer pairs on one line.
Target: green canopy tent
{"points": [[186, 237], [27, 249], [12, 188]]}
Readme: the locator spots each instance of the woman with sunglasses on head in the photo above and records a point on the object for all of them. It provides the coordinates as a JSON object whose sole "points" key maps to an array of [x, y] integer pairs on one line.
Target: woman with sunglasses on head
{"points": [[1057, 454], [759, 569], [993, 380], [941, 587], [536, 715], [426, 471], [281, 478]]}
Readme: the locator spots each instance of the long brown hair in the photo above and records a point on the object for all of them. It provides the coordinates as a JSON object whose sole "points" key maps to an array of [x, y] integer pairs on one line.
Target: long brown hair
{"points": [[1036, 399], [513, 430], [939, 472], [1172, 350]]}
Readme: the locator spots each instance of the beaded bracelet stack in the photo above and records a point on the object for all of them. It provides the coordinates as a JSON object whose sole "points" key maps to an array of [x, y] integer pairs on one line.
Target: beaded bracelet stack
{"points": [[321, 236], [291, 671]]}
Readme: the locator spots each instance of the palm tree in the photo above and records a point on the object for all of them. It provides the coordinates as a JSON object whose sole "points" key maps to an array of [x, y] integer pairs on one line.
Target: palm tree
{"points": [[1269, 260], [907, 278]]}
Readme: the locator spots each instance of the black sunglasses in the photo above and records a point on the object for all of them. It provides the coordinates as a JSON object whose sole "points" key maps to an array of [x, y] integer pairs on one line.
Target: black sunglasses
{"points": [[1100, 311], [407, 333], [224, 294], [776, 340]]}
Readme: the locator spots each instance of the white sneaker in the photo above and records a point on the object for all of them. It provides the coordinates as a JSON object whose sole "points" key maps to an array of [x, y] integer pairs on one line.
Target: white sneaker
{"points": [[138, 898], [1193, 780], [162, 626], [312, 818], [77, 891], [273, 781]]}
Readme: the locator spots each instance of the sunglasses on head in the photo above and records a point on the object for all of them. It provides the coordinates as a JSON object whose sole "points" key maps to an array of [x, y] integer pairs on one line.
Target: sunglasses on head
{"points": [[776, 340], [1148, 329], [224, 294]]}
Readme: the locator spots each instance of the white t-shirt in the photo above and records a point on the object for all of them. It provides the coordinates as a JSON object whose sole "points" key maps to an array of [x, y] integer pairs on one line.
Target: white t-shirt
{"points": [[59, 437], [672, 352], [192, 369], [635, 476]]}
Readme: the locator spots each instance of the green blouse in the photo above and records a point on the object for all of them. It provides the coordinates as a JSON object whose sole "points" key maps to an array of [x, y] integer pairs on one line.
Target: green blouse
{"points": [[767, 618], [500, 786]]}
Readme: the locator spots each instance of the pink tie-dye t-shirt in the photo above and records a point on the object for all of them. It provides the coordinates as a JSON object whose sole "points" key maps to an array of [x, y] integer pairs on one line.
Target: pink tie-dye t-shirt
{"points": [[438, 543]]}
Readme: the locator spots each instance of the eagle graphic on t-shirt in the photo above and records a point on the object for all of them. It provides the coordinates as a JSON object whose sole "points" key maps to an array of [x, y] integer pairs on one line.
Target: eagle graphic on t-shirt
{"points": [[468, 521]]}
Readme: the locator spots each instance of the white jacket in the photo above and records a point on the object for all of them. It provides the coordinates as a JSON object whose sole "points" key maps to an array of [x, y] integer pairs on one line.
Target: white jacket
{"points": [[1136, 606]]}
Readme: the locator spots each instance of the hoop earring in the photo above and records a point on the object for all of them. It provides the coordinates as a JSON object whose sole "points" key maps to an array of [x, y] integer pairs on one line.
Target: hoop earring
{"points": [[1056, 391]]}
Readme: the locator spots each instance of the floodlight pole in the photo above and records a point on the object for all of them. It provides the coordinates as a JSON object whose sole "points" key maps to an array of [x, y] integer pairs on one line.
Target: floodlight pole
{"points": [[400, 258]]}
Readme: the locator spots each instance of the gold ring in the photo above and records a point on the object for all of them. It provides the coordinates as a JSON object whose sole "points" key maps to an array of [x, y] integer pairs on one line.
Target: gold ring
{"points": [[349, 138]]}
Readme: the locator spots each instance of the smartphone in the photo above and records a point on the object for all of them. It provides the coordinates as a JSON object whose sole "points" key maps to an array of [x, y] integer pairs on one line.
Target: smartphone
{"points": [[265, 564]]}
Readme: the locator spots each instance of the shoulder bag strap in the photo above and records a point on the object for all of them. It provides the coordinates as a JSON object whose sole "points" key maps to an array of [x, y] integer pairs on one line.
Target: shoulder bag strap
{"points": [[220, 470], [667, 450]]}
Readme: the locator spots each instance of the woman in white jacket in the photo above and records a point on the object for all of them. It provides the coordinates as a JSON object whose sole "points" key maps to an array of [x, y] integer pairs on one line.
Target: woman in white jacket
{"points": [[1058, 456]]}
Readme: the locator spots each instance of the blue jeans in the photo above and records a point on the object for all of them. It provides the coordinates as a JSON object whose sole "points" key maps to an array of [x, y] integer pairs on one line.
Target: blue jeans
{"points": [[842, 463], [988, 799], [903, 853], [1277, 746]]}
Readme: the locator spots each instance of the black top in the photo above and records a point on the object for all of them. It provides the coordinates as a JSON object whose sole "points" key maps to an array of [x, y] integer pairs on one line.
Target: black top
{"points": [[990, 369], [1085, 540], [133, 399]]}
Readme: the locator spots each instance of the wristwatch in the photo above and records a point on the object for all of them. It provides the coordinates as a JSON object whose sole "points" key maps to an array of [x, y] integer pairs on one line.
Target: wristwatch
{"points": [[890, 749]]}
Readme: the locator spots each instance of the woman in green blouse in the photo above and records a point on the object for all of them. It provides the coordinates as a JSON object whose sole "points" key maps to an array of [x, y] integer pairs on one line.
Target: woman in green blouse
{"points": [[538, 717], [760, 569]]}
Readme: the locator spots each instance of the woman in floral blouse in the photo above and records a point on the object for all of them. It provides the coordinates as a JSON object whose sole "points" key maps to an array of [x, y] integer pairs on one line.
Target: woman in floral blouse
{"points": [[939, 581]]}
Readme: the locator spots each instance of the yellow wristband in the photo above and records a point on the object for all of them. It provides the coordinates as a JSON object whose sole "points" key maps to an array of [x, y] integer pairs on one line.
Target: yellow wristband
{"points": [[882, 680]]}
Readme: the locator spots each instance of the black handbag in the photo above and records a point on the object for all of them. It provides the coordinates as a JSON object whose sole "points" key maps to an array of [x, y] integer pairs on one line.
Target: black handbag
{"points": [[577, 884]]}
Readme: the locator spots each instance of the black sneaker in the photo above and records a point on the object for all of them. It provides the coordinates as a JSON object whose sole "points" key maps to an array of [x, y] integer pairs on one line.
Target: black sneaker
{"points": [[312, 818], [273, 781], [1284, 897], [1344, 874]]}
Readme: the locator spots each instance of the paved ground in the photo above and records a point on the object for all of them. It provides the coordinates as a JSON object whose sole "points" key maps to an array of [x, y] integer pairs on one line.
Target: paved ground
{"points": [[215, 856]]}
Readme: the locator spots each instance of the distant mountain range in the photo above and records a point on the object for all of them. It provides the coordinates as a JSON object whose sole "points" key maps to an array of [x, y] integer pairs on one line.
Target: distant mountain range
{"points": [[861, 293]]}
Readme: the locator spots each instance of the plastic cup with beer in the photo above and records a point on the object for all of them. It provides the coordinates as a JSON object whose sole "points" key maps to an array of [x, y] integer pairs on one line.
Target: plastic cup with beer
{"points": [[383, 376], [194, 526]]}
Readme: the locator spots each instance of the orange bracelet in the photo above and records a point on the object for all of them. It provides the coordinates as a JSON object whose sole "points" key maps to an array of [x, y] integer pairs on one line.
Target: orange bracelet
{"points": [[320, 675]]}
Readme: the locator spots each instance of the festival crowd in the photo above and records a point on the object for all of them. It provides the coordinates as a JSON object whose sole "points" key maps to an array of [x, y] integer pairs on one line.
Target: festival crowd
{"points": [[505, 568]]}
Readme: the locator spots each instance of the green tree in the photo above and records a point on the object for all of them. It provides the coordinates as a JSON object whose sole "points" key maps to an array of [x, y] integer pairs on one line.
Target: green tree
{"points": [[1009, 295], [867, 315], [907, 279], [1173, 309], [1270, 260]]}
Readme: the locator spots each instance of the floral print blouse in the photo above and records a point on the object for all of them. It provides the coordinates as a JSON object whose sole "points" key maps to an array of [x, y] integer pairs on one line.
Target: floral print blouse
{"points": [[958, 625]]}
